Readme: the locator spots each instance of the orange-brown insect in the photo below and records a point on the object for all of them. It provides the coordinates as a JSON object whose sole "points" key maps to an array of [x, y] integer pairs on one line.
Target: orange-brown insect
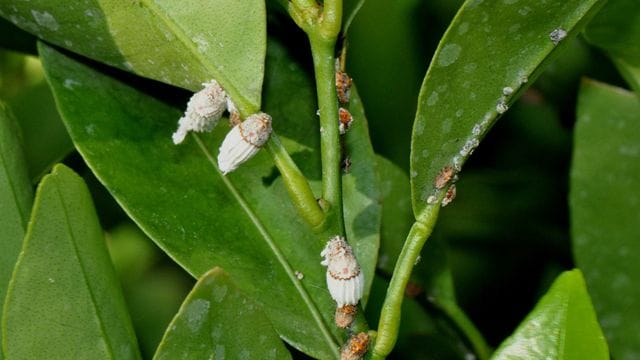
{"points": [[356, 347], [345, 120], [444, 176], [449, 196], [345, 315], [343, 86]]}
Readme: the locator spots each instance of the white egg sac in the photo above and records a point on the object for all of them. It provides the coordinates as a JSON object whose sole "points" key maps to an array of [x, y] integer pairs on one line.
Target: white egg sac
{"points": [[345, 281], [244, 141], [203, 111]]}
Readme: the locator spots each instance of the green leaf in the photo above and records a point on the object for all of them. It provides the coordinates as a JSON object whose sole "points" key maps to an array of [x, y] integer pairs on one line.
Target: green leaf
{"points": [[64, 301], [350, 9], [46, 140], [631, 73], [361, 193], [16, 197], [605, 208], [616, 30], [183, 43], [218, 320], [243, 222], [382, 31], [397, 217], [563, 325], [23, 86], [489, 54]]}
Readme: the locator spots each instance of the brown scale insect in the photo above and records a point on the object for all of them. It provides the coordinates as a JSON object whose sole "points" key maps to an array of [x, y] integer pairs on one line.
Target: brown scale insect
{"points": [[345, 315], [345, 118], [444, 176], [343, 86], [449, 196], [356, 347]]}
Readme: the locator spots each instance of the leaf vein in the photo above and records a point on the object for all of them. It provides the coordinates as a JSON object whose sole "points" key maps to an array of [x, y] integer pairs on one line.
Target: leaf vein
{"points": [[272, 245], [105, 337], [244, 103]]}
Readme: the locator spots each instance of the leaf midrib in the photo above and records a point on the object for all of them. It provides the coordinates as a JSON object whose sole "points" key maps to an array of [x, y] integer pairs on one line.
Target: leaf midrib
{"points": [[577, 23], [23, 216], [272, 245], [72, 239], [243, 103]]}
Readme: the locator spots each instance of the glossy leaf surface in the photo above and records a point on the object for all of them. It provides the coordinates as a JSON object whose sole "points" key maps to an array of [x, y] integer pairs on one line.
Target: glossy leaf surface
{"points": [[16, 198], [562, 326], [218, 321], [605, 209], [64, 301], [616, 29], [183, 43], [361, 189], [397, 217], [243, 222], [489, 54]]}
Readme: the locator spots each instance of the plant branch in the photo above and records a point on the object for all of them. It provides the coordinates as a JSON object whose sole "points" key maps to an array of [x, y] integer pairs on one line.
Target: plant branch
{"points": [[296, 183], [324, 66], [391, 309], [322, 25], [305, 13], [331, 21]]}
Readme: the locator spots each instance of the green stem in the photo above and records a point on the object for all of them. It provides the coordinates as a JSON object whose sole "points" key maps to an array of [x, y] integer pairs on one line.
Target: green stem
{"points": [[331, 21], [305, 13], [324, 66], [323, 29], [468, 329], [296, 183], [391, 309]]}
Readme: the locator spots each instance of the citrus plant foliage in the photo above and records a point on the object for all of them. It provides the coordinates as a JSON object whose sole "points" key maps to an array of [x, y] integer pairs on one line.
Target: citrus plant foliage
{"points": [[286, 178]]}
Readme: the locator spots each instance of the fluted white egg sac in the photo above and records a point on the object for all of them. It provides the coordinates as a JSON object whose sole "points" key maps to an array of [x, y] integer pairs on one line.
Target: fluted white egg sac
{"points": [[345, 281], [243, 141], [204, 110]]}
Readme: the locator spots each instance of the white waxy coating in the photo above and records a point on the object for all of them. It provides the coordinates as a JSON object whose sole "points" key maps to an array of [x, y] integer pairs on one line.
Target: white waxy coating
{"points": [[203, 111], [244, 141], [345, 281], [557, 35]]}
